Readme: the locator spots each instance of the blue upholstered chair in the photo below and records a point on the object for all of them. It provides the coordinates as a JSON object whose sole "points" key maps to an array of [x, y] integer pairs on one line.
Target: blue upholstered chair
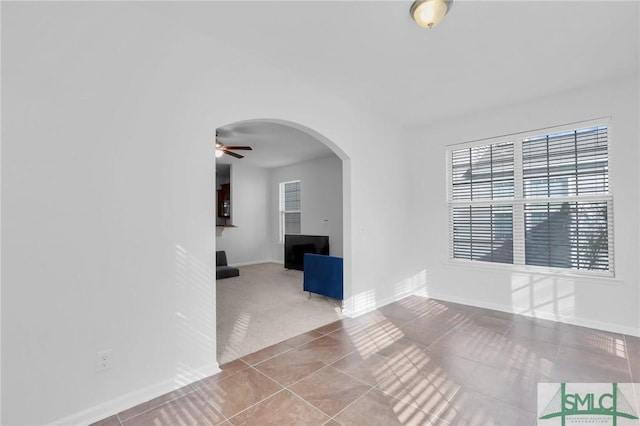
{"points": [[323, 275]]}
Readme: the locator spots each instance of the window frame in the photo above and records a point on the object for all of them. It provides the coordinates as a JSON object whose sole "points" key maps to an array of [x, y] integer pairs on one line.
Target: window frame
{"points": [[518, 201], [282, 211]]}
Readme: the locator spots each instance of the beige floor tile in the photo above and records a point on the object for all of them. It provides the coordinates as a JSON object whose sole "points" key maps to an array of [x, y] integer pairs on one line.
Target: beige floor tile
{"points": [[470, 408], [228, 369], [591, 340], [189, 410], [376, 408], [422, 335], [331, 327], [371, 368], [531, 332], [579, 365], [266, 353], [302, 339], [291, 366], [240, 391], [327, 349], [449, 366], [330, 390], [109, 421], [513, 386], [134, 411], [423, 388], [283, 408]]}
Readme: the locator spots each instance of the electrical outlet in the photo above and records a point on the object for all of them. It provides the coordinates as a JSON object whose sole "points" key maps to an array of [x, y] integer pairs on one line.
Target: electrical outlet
{"points": [[104, 360]]}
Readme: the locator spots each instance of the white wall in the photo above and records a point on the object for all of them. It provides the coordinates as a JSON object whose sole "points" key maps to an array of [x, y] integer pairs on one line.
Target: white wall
{"points": [[321, 203], [601, 303], [255, 200], [250, 213], [108, 200]]}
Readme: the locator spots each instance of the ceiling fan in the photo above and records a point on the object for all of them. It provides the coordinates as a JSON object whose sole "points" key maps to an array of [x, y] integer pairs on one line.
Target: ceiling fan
{"points": [[223, 149]]}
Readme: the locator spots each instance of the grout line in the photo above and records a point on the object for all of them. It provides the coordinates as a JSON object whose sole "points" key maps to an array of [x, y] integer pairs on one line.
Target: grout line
{"points": [[310, 374], [310, 404], [158, 405], [347, 373], [626, 348], [448, 331], [206, 400], [326, 366], [354, 401], [253, 405], [555, 359], [289, 349], [229, 419], [446, 405], [412, 401], [265, 375]]}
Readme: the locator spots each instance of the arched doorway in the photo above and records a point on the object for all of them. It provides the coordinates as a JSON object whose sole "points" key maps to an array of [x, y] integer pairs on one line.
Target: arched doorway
{"points": [[248, 232]]}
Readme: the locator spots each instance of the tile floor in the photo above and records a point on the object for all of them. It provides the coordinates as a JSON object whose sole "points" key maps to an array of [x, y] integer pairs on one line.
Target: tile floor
{"points": [[415, 362]]}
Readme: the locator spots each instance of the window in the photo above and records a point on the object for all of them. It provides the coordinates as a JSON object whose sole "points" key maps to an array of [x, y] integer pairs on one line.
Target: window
{"points": [[539, 199], [290, 212]]}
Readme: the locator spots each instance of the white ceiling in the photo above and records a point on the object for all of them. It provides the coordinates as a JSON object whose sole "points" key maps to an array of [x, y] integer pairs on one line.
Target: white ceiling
{"points": [[273, 145], [484, 54]]}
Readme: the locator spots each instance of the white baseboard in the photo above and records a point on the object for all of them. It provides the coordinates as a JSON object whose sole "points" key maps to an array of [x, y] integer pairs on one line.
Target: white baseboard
{"points": [[255, 262], [121, 403], [351, 311], [599, 325], [352, 307]]}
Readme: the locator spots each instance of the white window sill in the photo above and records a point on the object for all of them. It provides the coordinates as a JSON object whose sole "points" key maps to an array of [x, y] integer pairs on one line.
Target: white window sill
{"points": [[604, 279]]}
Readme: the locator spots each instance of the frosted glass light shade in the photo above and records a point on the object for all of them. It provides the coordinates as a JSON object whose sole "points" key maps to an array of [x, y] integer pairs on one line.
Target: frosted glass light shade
{"points": [[429, 13], [219, 153]]}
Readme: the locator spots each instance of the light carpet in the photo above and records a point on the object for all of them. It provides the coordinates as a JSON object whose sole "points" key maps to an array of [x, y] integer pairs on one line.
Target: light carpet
{"points": [[266, 305]]}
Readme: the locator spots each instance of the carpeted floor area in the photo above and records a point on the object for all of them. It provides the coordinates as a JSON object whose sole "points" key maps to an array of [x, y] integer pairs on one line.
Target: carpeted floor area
{"points": [[266, 305]]}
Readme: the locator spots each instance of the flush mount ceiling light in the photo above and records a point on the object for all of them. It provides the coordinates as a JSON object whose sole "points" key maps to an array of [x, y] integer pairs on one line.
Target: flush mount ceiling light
{"points": [[429, 13]]}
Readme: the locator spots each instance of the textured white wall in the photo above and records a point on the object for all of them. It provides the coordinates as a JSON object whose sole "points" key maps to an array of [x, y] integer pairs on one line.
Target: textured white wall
{"points": [[600, 303], [108, 201], [321, 182]]}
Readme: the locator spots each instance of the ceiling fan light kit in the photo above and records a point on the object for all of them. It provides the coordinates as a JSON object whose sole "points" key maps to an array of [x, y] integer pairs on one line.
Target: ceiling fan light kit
{"points": [[429, 13], [222, 149]]}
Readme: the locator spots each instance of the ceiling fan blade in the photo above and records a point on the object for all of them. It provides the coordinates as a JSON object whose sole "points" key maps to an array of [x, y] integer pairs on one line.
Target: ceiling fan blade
{"points": [[233, 154], [247, 148]]}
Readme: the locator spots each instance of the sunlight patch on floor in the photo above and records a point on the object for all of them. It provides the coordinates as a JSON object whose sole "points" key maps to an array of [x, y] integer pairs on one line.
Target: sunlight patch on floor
{"points": [[238, 334]]}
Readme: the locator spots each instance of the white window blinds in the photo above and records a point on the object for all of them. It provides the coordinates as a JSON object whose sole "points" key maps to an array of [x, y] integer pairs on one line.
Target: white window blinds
{"points": [[483, 172], [290, 208], [541, 200], [482, 230]]}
